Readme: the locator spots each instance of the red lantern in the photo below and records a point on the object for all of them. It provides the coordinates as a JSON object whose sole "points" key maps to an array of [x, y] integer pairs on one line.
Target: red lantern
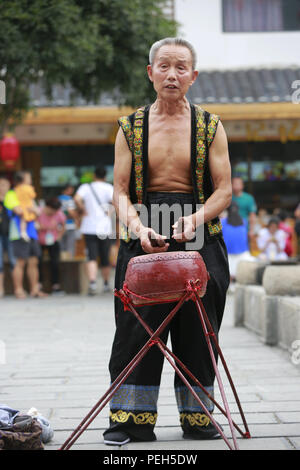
{"points": [[9, 150]]}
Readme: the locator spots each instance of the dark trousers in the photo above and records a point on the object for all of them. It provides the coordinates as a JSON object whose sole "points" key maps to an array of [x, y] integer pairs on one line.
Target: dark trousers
{"points": [[54, 258], [134, 406], [6, 246]]}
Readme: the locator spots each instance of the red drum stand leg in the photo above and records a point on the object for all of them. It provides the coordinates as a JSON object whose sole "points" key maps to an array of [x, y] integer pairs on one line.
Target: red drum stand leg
{"points": [[210, 333], [89, 418], [191, 293]]}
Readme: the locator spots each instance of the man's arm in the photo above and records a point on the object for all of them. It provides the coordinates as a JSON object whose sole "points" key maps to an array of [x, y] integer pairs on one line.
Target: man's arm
{"points": [[220, 170], [252, 223], [122, 203], [80, 204]]}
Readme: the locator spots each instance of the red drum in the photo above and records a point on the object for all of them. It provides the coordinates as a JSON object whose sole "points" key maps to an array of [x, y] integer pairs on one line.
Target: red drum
{"points": [[163, 277]]}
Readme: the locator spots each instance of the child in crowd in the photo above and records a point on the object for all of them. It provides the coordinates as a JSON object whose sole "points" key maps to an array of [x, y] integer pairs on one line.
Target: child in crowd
{"points": [[284, 225], [271, 241], [51, 226], [26, 195], [68, 207]]}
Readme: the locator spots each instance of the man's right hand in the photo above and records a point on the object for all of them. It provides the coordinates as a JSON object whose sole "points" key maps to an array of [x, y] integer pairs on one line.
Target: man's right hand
{"points": [[152, 242]]}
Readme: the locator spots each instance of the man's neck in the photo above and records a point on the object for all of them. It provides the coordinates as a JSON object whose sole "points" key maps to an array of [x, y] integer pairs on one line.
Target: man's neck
{"points": [[238, 194], [170, 108]]}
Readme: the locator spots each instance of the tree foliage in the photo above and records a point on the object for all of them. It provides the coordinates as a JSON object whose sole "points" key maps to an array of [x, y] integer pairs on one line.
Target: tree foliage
{"points": [[92, 45]]}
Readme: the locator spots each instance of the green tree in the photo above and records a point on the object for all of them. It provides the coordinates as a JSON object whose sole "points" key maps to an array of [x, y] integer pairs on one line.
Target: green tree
{"points": [[91, 45]]}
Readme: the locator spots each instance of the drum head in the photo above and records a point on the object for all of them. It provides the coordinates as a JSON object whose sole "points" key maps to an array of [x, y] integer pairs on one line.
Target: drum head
{"points": [[163, 277]]}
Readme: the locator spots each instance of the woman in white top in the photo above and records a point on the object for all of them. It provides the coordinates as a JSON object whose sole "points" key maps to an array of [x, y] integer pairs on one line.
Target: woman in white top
{"points": [[94, 201], [271, 241]]}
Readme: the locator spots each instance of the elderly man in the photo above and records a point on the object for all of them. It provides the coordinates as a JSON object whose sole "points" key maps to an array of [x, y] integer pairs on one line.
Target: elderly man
{"points": [[171, 152]]}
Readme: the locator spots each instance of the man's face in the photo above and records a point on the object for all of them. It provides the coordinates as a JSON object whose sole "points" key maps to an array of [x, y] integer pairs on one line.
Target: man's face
{"points": [[237, 185], [172, 72]]}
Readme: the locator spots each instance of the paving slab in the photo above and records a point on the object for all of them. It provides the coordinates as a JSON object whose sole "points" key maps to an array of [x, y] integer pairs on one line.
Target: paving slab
{"points": [[295, 442], [57, 353], [170, 438], [248, 445]]}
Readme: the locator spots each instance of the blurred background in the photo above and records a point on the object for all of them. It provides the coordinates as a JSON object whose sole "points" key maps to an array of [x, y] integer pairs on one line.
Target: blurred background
{"points": [[70, 68]]}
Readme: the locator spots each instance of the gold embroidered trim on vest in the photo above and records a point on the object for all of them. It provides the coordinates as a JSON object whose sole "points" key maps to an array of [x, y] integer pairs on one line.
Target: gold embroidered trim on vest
{"points": [[195, 419], [215, 228], [141, 418], [212, 127], [134, 137], [125, 124], [138, 153]]}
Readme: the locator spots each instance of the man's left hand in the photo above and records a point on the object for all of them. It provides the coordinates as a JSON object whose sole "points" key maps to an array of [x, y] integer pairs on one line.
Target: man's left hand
{"points": [[184, 229]]}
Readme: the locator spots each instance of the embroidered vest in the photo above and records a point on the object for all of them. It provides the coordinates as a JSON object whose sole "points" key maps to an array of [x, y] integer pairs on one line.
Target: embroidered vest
{"points": [[204, 126]]}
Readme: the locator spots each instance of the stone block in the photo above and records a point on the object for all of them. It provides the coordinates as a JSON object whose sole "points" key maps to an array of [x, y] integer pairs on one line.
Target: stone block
{"points": [[270, 320], [260, 314], [253, 307], [282, 280], [288, 322], [250, 272], [238, 304], [72, 277]]}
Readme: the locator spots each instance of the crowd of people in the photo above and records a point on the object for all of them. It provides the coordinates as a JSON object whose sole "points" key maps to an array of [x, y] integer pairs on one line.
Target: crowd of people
{"points": [[29, 231], [251, 233]]}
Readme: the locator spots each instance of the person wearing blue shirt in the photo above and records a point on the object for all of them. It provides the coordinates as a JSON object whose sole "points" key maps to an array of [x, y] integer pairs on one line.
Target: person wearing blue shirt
{"points": [[235, 236], [68, 240], [246, 204]]}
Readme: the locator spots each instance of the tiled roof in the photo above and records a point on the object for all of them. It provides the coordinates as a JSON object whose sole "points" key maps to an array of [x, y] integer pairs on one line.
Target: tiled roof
{"points": [[62, 96], [244, 86], [231, 86]]}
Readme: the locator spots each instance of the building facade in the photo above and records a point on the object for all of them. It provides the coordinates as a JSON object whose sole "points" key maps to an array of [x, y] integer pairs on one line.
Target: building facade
{"points": [[249, 74]]}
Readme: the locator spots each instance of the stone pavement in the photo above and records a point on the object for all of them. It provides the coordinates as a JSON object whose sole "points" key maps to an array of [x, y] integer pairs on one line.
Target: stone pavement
{"points": [[57, 352]]}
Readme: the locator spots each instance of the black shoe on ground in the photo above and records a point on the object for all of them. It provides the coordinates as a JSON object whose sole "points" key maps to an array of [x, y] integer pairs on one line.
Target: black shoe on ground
{"points": [[208, 432], [116, 438], [92, 289]]}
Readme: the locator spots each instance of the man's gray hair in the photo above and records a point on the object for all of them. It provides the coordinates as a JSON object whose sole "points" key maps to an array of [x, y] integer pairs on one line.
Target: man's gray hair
{"points": [[175, 42]]}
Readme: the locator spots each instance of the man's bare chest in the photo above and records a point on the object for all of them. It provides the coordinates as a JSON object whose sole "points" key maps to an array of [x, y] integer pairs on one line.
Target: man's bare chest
{"points": [[169, 143]]}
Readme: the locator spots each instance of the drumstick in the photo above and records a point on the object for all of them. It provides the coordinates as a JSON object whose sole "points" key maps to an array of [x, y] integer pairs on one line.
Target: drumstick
{"points": [[155, 242]]}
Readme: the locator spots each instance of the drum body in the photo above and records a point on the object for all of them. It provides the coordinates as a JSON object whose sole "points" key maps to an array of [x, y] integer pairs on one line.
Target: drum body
{"points": [[163, 277]]}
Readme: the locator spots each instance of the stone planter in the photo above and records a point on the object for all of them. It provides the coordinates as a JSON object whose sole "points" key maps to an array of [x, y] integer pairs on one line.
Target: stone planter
{"points": [[250, 272], [282, 280], [256, 311]]}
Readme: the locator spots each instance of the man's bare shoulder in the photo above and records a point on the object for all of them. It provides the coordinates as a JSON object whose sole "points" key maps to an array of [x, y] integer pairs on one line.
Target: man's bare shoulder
{"points": [[219, 137]]}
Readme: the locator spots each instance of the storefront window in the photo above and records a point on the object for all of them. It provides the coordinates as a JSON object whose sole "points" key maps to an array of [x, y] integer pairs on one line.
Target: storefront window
{"points": [[260, 15], [57, 176], [74, 164], [270, 170]]}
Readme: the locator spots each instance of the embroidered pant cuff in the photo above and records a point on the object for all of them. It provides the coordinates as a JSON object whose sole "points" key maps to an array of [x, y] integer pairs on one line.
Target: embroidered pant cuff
{"points": [[138, 425]]}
